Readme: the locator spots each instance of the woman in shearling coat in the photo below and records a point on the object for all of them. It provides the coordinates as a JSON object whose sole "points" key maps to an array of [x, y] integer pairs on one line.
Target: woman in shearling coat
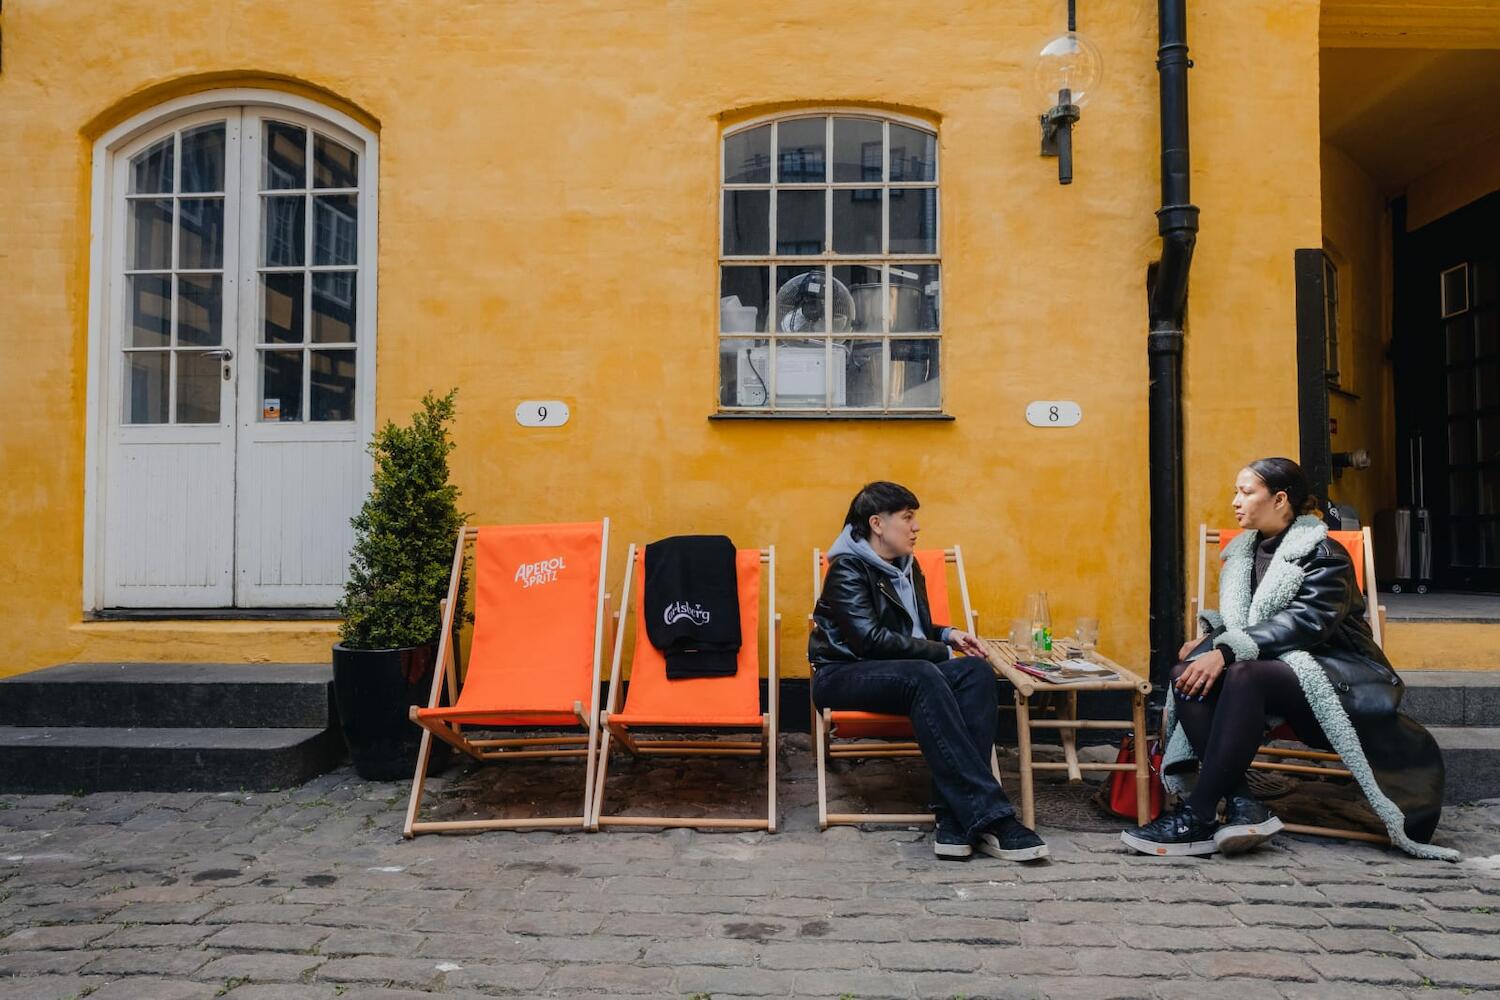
{"points": [[1291, 642]]}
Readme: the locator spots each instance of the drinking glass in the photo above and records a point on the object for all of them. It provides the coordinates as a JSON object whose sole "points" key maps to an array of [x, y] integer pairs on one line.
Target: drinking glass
{"points": [[1087, 634], [1020, 633]]}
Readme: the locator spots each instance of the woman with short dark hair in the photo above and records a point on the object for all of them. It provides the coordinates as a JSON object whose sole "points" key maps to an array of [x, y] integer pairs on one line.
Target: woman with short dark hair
{"points": [[1290, 641], [874, 648]]}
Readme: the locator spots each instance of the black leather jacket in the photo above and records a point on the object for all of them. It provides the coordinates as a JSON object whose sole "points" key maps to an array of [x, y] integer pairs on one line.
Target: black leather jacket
{"points": [[859, 617], [1327, 619]]}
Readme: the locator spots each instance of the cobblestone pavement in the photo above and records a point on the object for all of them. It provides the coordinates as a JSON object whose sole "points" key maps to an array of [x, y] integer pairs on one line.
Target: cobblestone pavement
{"points": [[312, 893]]}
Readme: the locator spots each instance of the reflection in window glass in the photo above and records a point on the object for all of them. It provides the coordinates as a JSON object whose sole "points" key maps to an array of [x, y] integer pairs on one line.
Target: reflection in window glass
{"points": [[858, 150], [799, 222], [747, 156], [914, 220], [284, 164], [198, 378], [800, 145], [203, 158], [744, 299], [856, 220], [150, 309], [332, 385], [281, 317], [200, 310], [200, 236], [282, 234], [281, 385], [334, 164], [747, 225], [333, 307], [148, 236], [335, 229], [146, 388], [151, 169], [913, 154]]}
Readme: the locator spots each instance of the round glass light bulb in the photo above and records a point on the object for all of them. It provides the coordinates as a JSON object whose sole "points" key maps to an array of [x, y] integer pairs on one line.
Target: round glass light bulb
{"points": [[1068, 62]]}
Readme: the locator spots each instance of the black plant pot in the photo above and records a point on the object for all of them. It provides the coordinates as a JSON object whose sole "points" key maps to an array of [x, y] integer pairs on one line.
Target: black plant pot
{"points": [[375, 689]]}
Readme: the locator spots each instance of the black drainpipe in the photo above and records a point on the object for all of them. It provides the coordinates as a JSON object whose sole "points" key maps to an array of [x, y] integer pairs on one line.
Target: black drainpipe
{"points": [[1166, 284]]}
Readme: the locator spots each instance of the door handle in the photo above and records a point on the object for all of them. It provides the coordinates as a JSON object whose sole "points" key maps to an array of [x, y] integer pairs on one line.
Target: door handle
{"points": [[220, 352]]}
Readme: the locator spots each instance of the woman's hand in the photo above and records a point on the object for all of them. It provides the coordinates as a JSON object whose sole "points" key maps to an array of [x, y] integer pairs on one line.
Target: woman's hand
{"points": [[965, 643], [1187, 648], [1201, 675]]}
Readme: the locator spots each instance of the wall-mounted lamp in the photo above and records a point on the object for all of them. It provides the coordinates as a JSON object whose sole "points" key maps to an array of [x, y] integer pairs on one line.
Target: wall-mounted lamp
{"points": [[1068, 70]]}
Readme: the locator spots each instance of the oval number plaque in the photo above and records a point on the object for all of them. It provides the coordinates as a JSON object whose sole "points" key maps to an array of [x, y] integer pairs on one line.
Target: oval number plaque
{"points": [[542, 413], [1053, 413]]}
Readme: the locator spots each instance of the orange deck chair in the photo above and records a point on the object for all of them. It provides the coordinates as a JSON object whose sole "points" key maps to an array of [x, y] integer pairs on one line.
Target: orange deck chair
{"points": [[534, 662], [699, 703], [844, 735], [1316, 763]]}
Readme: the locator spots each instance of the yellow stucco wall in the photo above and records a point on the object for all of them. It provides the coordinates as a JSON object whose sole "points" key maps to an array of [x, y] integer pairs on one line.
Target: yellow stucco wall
{"points": [[548, 230], [1453, 185], [1356, 230]]}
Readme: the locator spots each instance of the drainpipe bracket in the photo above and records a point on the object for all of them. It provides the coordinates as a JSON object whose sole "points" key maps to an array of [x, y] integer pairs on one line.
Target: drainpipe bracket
{"points": [[1164, 342], [1177, 218]]}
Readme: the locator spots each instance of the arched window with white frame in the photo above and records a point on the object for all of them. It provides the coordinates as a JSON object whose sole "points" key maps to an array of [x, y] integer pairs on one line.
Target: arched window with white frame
{"points": [[232, 353], [830, 266]]}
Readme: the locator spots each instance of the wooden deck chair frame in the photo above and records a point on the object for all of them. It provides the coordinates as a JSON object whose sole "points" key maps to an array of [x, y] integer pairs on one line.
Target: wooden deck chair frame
{"points": [[1305, 761], [827, 746], [764, 746], [504, 748]]}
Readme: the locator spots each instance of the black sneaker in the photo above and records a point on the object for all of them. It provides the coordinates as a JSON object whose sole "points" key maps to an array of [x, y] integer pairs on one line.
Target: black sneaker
{"points": [[948, 841], [1008, 840], [1173, 834], [1247, 824]]}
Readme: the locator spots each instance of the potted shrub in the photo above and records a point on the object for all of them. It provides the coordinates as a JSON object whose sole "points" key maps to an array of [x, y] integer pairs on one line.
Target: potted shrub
{"points": [[398, 574]]}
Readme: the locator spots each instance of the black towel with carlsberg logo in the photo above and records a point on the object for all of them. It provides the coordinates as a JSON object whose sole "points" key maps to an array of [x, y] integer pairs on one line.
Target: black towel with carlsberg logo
{"points": [[692, 605]]}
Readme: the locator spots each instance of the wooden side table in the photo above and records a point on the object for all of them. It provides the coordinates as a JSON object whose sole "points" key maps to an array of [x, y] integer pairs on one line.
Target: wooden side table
{"points": [[1003, 656]]}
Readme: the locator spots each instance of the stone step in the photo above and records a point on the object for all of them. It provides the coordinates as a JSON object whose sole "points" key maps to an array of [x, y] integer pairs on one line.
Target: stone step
{"points": [[71, 759], [1471, 755], [1452, 697], [211, 695]]}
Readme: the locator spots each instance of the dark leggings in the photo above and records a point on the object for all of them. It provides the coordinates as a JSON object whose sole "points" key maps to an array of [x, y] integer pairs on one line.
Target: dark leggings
{"points": [[1227, 726]]}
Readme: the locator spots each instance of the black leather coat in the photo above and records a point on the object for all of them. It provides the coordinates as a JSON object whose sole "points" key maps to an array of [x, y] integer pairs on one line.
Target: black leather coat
{"points": [[859, 617], [1326, 618]]}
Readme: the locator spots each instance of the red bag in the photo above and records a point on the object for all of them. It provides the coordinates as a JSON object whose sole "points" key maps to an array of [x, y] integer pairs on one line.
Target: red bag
{"points": [[1119, 792]]}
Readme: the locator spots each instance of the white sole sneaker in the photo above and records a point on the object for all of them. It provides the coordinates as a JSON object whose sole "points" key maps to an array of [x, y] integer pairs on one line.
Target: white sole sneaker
{"points": [[989, 845], [1238, 839], [952, 851], [1193, 848]]}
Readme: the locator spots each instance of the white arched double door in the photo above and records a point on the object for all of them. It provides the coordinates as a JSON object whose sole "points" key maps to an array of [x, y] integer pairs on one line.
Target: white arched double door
{"points": [[235, 359]]}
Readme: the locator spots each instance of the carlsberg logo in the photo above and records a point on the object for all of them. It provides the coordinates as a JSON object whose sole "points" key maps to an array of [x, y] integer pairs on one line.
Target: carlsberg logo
{"points": [[682, 610], [541, 571]]}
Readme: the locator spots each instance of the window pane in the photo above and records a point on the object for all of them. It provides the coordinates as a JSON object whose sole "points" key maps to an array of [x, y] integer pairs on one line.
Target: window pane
{"points": [[281, 319], [801, 151], [332, 385], [150, 309], [801, 299], [283, 234], [913, 220], [1461, 441], [744, 379], [1462, 489], [1460, 340], [747, 156], [747, 223], [335, 229], [914, 298], [198, 377], [1461, 391], [284, 164], [203, 158], [1489, 490], [1489, 545], [200, 312], [151, 169], [863, 285], [1487, 334], [1489, 384], [280, 385], [1485, 285], [333, 307], [856, 373], [799, 222], [334, 164], [856, 220], [1489, 439], [913, 154], [800, 367], [858, 150], [200, 240], [1463, 542], [146, 387], [914, 373], [744, 298], [149, 234]]}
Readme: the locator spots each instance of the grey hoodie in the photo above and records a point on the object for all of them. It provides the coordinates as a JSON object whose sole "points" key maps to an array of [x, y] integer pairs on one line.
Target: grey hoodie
{"points": [[899, 573]]}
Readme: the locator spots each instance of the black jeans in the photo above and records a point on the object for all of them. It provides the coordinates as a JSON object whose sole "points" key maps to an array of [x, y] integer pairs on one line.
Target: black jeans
{"points": [[953, 709], [1227, 726]]}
